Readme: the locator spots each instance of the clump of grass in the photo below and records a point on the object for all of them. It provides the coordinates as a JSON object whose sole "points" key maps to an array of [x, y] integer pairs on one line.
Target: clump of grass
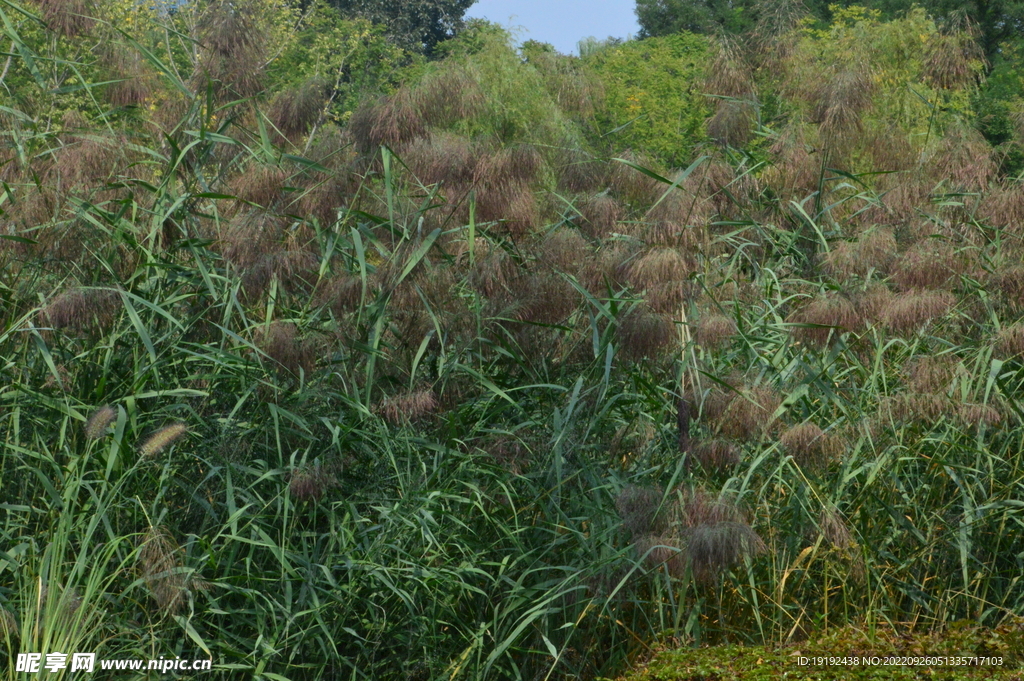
{"points": [[69, 18], [443, 158], [834, 530], [749, 412], [309, 483], [640, 509], [162, 439], [840, 100], [391, 121], [99, 422], [134, 81], [716, 454], [408, 406], [448, 95], [631, 184], [930, 264], [953, 61], [715, 534], [808, 444], [564, 250], [294, 110], [930, 374], [600, 216], [825, 317], [161, 567], [579, 171], [964, 159], [974, 415], [83, 310], [1009, 342], [662, 273], [873, 251], [643, 333], [714, 331], [908, 313], [261, 185], [232, 49], [280, 342], [295, 270]]}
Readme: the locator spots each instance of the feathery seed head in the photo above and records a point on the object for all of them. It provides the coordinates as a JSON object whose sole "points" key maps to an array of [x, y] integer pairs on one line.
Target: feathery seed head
{"points": [[160, 563], [908, 313], [640, 510], [714, 331], [930, 374], [1010, 342], [832, 311], [98, 424], [162, 439], [642, 333], [716, 455], [409, 406]]}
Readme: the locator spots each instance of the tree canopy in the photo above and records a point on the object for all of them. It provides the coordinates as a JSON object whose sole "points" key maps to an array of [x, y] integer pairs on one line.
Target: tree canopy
{"points": [[417, 25]]}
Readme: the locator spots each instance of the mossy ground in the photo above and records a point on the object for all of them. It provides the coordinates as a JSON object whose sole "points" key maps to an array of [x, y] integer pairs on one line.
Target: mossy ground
{"points": [[852, 652]]}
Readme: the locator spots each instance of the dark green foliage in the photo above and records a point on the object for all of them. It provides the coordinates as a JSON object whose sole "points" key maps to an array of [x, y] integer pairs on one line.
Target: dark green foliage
{"points": [[665, 17], [417, 25]]}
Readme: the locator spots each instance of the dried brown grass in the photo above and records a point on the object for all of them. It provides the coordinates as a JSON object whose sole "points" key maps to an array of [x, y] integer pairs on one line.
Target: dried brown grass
{"points": [[640, 509], [930, 375], [827, 318], [600, 216], [642, 333], [714, 331], [930, 264], [408, 407], [839, 102], [964, 159], [82, 311], [908, 313], [161, 567], [280, 342], [69, 18], [390, 121], [259, 184], [953, 61], [295, 271], [872, 252], [661, 274], [294, 110], [632, 185], [250, 236], [135, 80], [715, 534], [564, 250], [732, 124], [809, 445], [579, 171], [715, 455], [1009, 342], [448, 95], [232, 50], [443, 158], [748, 413], [310, 482], [975, 415]]}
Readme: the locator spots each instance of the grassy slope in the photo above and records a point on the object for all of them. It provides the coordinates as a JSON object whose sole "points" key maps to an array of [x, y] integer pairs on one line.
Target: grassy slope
{"points": [[433, 393]]}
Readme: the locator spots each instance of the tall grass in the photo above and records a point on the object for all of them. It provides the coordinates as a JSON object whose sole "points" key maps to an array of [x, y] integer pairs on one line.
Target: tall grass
{"points": [[418, 426]]}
